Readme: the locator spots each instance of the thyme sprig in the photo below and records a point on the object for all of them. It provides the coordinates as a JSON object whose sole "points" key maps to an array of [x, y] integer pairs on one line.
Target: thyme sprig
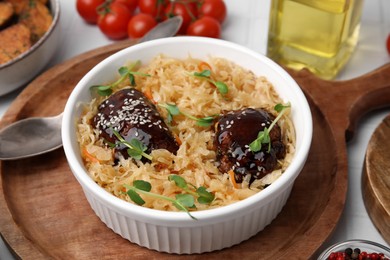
{"points": [[173, 110], [136, 149], [182, 201], [124, 72], [263, 136], [206, 74]]}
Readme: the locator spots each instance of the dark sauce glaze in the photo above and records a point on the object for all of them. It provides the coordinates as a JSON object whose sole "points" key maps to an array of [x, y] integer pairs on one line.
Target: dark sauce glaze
{"points": [[133, 115], [235, 131]]}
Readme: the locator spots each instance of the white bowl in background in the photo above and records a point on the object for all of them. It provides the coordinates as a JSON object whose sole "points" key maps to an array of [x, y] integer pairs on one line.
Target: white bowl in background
{"points": [[175, 232], [19, 71]]}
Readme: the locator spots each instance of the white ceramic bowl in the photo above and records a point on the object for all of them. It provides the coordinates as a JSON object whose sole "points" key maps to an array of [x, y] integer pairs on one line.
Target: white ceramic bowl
{"points": [[19, 71], [175, 232]]}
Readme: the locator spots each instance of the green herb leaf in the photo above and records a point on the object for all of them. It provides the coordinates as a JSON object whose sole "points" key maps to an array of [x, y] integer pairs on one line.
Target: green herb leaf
{"points": [[255, 146], [102, 90], [142, 185], [136, 149], [205, 121], [206, 74], [205, 197], [138, 144], [136, 155], [173, 110], [279, 107], [124, 72], [132, 80], [263, 136], [186, 200], [181, 201], [169, 118], [179, 181], [222, 87], [134, 196]]}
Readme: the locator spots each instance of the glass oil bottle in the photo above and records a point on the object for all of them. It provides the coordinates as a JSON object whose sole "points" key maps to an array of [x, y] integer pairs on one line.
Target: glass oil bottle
{"points": [[316, 34]]}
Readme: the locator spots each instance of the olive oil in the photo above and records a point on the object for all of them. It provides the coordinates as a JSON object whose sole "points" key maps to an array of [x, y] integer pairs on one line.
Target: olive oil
{"points": [[316, 34]]}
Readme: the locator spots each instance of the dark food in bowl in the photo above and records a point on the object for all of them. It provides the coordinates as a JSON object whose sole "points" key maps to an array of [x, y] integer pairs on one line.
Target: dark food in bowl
{"points": [[6, 13], [14, 41], [235, 130], [22, 24], [133, 115]]}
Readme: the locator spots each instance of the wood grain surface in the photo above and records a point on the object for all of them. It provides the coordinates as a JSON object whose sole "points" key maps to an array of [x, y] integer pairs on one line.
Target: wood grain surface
{"points": [[376, 178], [44, 213]]}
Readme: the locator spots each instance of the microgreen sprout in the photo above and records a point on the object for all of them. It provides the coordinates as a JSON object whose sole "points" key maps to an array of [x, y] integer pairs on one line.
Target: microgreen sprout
{"points": [[136, 149], [203, 196], [263, 136], [182, 201], [124, 72], [206, 74], [173, 110]]}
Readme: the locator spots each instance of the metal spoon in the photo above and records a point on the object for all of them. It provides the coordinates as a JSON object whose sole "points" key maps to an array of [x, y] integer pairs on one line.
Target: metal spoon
{"points": [[38, 135]]}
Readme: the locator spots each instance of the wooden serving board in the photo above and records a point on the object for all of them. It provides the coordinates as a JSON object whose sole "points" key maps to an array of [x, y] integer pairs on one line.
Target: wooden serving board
{"points": [[44, 213], [376, 178]]}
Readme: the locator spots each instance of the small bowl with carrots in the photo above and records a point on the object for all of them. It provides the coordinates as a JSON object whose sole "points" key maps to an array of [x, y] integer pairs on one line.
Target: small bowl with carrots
{"points": [[181, 215]]}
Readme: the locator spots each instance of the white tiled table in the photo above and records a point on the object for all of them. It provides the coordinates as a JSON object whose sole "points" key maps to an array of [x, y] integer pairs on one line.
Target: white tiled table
{"points": [[247, 25]]}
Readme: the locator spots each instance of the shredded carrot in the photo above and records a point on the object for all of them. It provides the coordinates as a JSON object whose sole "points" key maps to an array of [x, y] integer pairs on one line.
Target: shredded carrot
{"points": [[216, 126], [148, 94], [204, 66], [177, 139], [232, 179], [89, 156]]}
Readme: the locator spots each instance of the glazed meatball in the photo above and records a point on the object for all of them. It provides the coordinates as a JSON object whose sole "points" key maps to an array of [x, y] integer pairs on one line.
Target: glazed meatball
{"points": [[235, 130], [133, 115]]}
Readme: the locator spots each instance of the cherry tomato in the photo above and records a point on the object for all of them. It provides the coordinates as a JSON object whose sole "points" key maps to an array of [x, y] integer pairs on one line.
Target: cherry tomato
{"points": [[205, 26], [87, 10], [131, 4], [153, 7], [388, 44], [140, 24], [214, 8], [113, 22], [186, 9]]}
